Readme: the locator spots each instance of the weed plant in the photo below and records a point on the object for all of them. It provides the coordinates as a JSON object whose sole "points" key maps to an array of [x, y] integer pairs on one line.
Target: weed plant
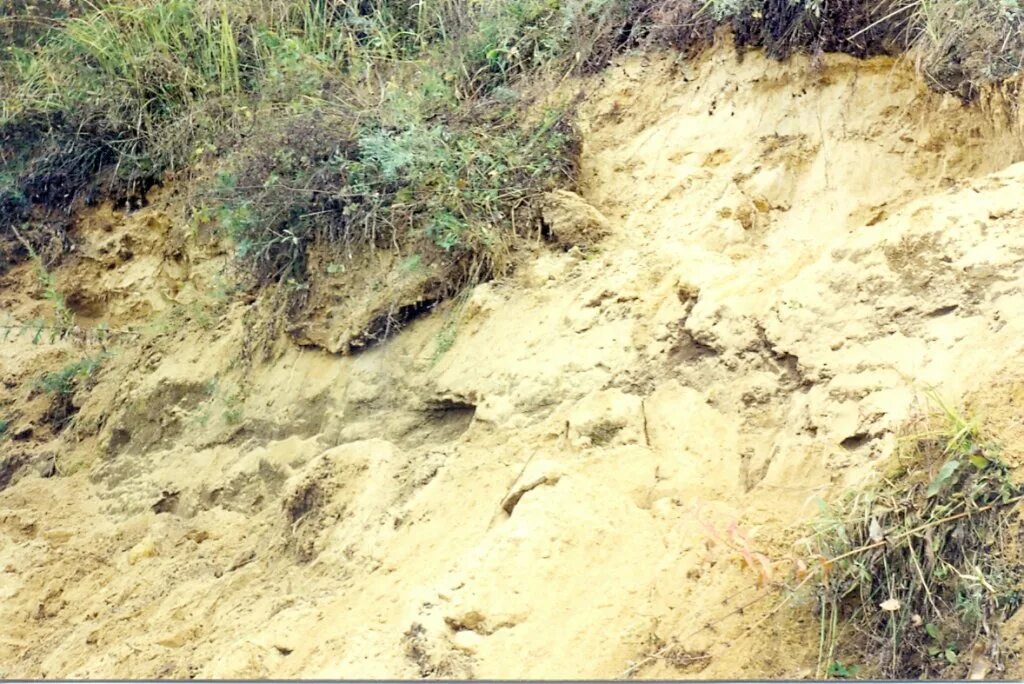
{"points": [[921, 568]]}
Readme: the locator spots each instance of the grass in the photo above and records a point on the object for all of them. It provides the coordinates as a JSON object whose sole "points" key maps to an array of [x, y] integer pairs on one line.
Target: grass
{"points": [[337, 126], [162, 81], [921, 568], [61, 386], [329, 126], [445, 338], [64, 382], [63, 317], [446, 191], [960, 46], [132, 68], [234, 409]]}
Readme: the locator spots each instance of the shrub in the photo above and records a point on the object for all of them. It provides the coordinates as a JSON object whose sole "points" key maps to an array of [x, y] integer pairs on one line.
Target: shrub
{"points": [[964, 45], [449, 188], [921, 566]]}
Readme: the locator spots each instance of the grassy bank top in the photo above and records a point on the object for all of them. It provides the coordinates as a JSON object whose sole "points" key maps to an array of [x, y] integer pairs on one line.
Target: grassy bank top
{"points": [[389, 123]]}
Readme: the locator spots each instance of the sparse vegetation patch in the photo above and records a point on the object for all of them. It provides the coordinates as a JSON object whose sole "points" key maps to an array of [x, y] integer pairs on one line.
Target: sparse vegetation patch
{"points": [[61, 386], [923, 567]]}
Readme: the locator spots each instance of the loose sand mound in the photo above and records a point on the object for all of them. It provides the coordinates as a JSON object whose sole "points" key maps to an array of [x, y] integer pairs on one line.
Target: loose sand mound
{"points": [[768, 266]]}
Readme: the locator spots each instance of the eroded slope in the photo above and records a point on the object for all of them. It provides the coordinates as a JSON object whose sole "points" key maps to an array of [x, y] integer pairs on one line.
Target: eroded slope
{"points": [[530, 482]]}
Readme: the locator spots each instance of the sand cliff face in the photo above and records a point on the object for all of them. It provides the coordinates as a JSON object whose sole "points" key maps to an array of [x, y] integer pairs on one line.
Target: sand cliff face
{"points": [[767, 267]]}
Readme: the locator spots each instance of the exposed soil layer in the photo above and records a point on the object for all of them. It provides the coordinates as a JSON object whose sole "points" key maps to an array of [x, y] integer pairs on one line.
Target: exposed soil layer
{"points": [[768, 265]]}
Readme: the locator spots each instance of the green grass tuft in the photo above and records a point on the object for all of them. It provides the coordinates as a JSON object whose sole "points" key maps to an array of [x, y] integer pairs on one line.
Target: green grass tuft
{"points": [[64, 381]]}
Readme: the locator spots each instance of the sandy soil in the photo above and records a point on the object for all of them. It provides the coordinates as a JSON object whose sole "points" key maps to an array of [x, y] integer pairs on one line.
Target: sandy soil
{"points": [[771, 264]]}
